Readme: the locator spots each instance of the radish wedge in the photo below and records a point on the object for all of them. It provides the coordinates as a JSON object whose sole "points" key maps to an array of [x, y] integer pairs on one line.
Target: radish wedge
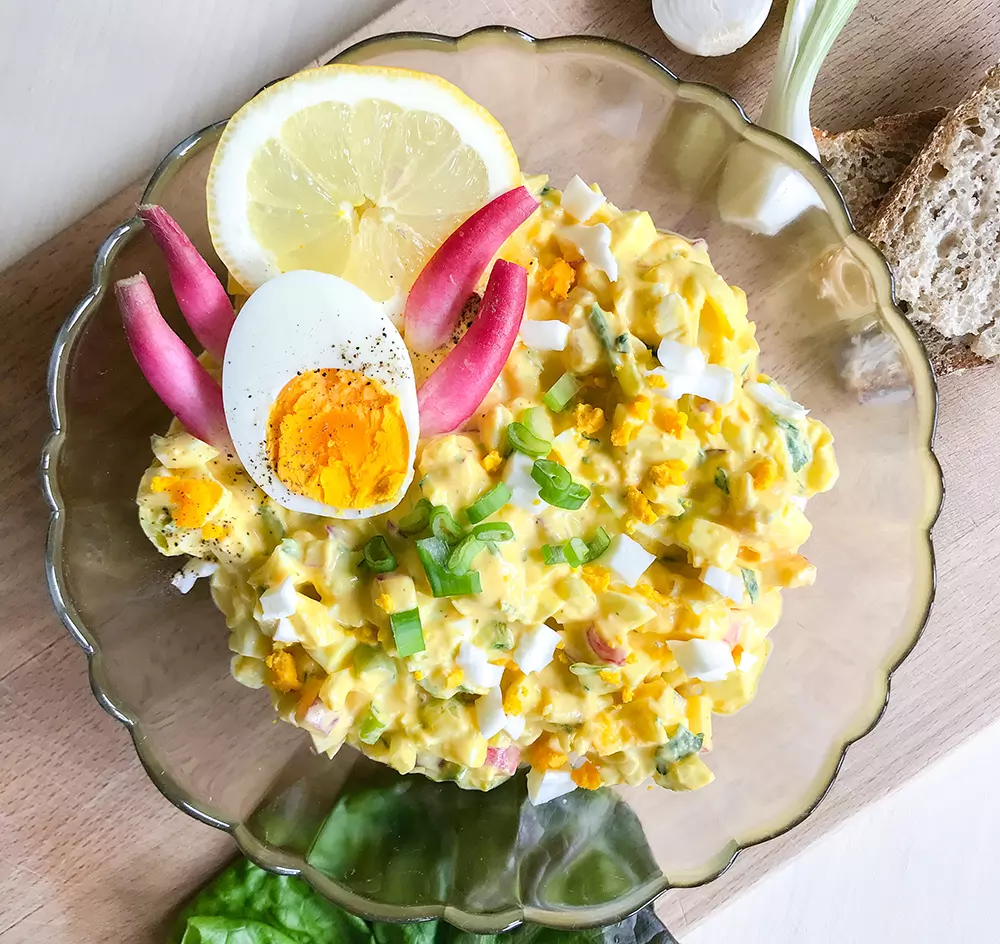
{"points": [[604, 650], [435, 302], [454, 391], [199, 293], [174, 373]]}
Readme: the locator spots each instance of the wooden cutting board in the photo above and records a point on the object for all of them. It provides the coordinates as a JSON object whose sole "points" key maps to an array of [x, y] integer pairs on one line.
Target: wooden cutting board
{"points": [[90, 852]]}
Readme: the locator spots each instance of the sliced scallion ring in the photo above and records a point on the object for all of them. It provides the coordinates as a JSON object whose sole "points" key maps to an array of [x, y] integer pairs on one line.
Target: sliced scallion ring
{"points": [[558, 396], [488, 504], [407, 632], [417, 520], [461, 558], [519, 437], [378, 555], [493, 531]]}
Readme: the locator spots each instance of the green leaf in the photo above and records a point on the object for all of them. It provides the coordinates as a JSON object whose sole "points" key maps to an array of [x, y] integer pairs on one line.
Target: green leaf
{"points": [[423, 933], [750, 582], [265, 909], [722, 481]]}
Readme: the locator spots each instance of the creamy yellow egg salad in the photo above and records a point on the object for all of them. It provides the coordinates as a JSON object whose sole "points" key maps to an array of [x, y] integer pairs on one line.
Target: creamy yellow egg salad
{"points": [[556, 540]]}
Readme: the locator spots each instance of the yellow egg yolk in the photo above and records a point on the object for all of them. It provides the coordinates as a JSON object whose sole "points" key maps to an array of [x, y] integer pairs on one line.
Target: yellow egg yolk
{"points": [[338, 437], [193, 499]]}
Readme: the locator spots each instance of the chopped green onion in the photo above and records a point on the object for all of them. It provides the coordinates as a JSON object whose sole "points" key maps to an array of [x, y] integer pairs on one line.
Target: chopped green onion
{"points": [[521, 438], [488, 504], [292, 548], [372, 727], [407, 631], [444, 525], [374, 659], [434, 553], [378, 555], [561, 392], [417, 520], [599, 322], [493, 531], [536, 421], [598, 544], [549, 474], [622, 345], [681, 745], [572, 498], [503, 637], [722, 481], [461, 558], [272, 523], [576, 551], [750, 582]]}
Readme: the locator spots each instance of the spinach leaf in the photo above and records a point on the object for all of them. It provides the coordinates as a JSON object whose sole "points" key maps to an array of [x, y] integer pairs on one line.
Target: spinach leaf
{"points": [[722, 481], [677, 748], [799, 448], [750, 582]]}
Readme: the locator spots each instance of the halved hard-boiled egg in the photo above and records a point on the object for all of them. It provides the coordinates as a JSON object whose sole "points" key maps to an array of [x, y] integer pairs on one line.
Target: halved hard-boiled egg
{"points": [[320, 398]]}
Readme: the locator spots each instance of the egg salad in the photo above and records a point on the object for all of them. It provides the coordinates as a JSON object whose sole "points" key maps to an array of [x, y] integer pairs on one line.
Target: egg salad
{"points": [[574, 580]]}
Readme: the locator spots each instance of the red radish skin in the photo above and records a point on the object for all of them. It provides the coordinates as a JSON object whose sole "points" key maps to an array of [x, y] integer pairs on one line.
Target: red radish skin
{"points": [[732, 636], [604, 651], [435, 302], [505, 759], [174, 373], [463, 379], [202, 299]]}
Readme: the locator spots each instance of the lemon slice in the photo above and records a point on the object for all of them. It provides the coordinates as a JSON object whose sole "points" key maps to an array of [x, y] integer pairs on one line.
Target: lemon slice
{"points": [[359, 171]]}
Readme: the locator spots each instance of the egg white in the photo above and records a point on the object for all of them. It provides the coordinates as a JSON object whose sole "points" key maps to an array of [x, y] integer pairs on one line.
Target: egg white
{"points": [[302, 321]]}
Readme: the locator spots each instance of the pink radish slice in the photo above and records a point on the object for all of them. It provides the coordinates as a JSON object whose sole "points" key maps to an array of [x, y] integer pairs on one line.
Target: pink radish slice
{"points": [[199, 293], [505, 759], [435, 302], [604, 651], [454, 391], [174, 373], [732, 636]]}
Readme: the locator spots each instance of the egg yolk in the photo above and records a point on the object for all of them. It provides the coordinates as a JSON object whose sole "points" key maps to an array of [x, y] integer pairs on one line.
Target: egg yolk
{"points": [[338, 437]]}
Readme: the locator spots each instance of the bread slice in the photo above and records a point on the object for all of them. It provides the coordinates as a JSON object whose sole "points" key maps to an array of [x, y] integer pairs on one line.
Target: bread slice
{"points": [[939, 227], [866, 162]]}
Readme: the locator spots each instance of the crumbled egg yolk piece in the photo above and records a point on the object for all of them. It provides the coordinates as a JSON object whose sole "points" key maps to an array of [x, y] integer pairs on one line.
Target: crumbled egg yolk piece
{"points": [[611, 676], [596, 577], [636, 413], [667, 473], [588, 420], [513, 699], [587, 776], [284, 675], [671, 421], [639, 506], [491, 461], [558, 279], [338, 437], [214, 530], [764, 474], [193, 499], [454, 678], [544, 757], [749, 554], [652, 594], [308, 694]]}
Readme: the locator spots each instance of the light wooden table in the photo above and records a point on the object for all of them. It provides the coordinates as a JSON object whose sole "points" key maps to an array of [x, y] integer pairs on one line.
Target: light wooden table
{"points": [[90, 852]]}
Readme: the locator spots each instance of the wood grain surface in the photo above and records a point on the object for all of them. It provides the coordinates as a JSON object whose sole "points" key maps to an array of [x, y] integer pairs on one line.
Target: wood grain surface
{"points": [[90, 852]]}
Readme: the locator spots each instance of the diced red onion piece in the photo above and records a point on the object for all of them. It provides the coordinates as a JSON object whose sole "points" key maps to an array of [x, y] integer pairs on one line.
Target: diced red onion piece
{"points": [[505, 759], [435, 302], [174, 373], [320, 717], [603, 650], [460, 384]]}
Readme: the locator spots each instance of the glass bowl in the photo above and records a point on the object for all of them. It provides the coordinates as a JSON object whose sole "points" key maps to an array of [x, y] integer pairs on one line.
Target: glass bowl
{"points": [[405, 848]]}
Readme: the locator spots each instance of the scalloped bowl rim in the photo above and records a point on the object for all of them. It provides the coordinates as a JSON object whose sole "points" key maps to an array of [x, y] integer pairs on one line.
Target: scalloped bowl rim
{"points": [[277, 861]]}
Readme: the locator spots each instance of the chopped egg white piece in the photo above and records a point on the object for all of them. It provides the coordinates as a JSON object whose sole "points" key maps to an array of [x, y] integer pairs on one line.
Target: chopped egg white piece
{"points": [[285, 632], [729, 585], [182, 450], [544, 335], [278, 602], [476, 667], [580, 201], [779, 405], [594, 244], [746, 661], [685, 371], [514, 726], [192, 572], [576, 760], [523, 488], [546, 785], [628, 559], [799, 501], [710, 660], [490, 714], [536, 648]]}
